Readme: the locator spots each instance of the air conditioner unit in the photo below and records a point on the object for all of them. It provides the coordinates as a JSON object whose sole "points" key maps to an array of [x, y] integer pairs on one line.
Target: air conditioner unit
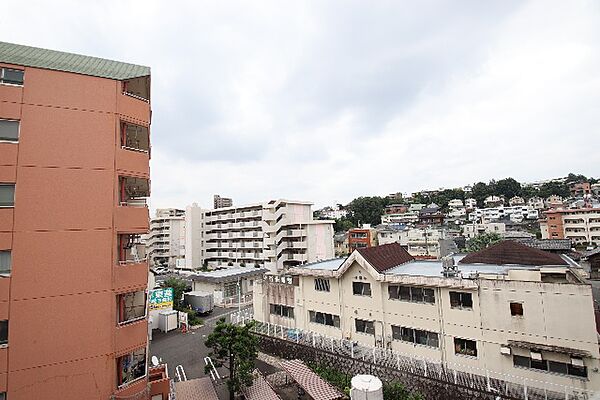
{"points": [[505, 350]]}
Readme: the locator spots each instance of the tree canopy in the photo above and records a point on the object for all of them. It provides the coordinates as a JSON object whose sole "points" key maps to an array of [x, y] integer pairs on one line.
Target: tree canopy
{"points": [[179, 286], [482, 241], [234, 347], [366, 210]]}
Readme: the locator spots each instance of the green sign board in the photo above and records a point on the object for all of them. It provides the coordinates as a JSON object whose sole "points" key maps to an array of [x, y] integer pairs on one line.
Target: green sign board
{"points": [[160, 299]]}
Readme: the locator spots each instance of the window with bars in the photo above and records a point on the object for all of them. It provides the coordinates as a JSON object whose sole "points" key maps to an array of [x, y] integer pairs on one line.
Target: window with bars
{"points": [[281, 310], [322, 285], [412, 294], [364, 326], [361, 289], [131, 367], [415, 336], [324, 318], [461, 300]]}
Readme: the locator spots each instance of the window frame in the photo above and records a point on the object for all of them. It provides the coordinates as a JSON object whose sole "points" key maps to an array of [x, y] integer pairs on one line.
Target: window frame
{"points": [[551, 367], [405, 293], [369, 326], [4, 327], [121, 308], [132, 354], [2, 79], [281, 310], [10, 140], [517, 310], [461, 301], [14, 189], [464, 350], [401, 333], [362, 291], [2, 272], [321, 318]]}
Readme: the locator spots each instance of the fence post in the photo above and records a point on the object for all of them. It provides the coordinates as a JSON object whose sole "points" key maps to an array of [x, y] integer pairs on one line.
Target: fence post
{"points": [[525, 390], [425, 368], [398, 362], [332, 346], [313, 338], [455, 380], [268, 329], [351, 349], [487, 380]]}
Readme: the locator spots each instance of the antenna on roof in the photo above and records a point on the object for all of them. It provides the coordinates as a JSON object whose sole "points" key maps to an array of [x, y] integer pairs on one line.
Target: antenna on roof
{"points": [[449, 268]]}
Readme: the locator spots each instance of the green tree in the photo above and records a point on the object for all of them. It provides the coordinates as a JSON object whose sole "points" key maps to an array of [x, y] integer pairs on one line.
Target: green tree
{"points": [[482, 241], [480, 192], [550, 188], [179, 287], [366, 210], [508, 188], [342, 225], [234, 347]]}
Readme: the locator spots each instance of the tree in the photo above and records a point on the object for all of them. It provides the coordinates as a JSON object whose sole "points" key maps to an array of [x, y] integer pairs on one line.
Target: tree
{"points": [[482, 241], [236, 348], [480, 192], [366, 210], [342, 225], [179, 287], [508, 188]]}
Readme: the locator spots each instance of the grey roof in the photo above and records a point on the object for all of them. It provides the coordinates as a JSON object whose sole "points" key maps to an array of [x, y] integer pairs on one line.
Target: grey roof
{"points": [[329, 265], [548, 244], [227, 274], [57, 60]]}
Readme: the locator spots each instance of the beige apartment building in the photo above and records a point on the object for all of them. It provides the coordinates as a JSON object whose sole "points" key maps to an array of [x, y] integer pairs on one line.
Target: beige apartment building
{"points": [[510, 309], [166, 241], [275, 235], [581, 225]]}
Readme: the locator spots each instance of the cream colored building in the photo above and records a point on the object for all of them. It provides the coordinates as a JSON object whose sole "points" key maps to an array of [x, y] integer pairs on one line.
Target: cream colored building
{"points": [[166, 241], [511, 310], [275, 235], [421, 242], [474, 229]]}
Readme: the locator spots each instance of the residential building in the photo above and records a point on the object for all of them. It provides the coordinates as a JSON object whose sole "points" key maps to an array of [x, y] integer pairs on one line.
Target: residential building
{"points": [[230, 286], [73, 188], [387, 234], [396, 209], [554, 201], [593, 260], [579, 225], [456, 203], [333, 212], [340, 241], [580, 189], [595, 188], [409, 217], [275, 235], [362, 237], [516, 201], [194, 234], [493, 201], [474, 229], [395, 196], [536, 202], [510, 310], [515, 214], [470, 203], [166, 242], [419, 242], [431, 215], [222, 202]]}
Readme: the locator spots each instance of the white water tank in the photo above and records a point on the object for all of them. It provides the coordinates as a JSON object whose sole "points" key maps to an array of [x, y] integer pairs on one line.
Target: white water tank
{"points": [[366, 387]]}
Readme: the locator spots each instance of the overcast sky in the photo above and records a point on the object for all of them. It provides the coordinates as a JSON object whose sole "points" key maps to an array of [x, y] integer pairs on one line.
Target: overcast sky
{"points": [[328, 101]]}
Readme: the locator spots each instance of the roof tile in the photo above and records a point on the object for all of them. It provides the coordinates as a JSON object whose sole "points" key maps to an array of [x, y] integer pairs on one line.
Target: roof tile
{"points": [[386, 256], [510, 252]]}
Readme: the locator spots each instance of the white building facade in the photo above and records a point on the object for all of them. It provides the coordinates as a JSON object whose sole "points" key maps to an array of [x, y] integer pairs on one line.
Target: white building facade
{"points": [[166, 241]]}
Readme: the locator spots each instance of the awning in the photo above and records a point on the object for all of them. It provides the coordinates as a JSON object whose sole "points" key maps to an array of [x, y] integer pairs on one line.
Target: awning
{"points": [[260, 389], [550, 348], [195, 389], [313, 384]]}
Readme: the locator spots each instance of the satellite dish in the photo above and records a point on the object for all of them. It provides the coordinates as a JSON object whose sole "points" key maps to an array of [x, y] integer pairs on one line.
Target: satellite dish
{"points": [[155, 361]]}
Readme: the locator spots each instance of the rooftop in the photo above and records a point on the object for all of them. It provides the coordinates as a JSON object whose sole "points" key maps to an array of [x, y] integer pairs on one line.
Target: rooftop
{"points": [[68, 62], [227, 274], [509, 252], [385, 256]]}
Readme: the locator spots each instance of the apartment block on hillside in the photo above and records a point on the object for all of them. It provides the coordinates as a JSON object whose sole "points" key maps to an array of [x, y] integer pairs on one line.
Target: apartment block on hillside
{"points": [[579, 225], [166, 241], [275, 235]]}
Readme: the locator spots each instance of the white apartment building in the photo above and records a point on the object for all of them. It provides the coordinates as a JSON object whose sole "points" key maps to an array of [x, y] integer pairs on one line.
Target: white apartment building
{"points": [[579, 225], [516, 201], [456, 203], [333, 212], [409, 217], [516, 213], [166, 241], [493, 201], [470, 203], [419, 242], [474, 229], [275, 235], [536, 202], [511, 310]]}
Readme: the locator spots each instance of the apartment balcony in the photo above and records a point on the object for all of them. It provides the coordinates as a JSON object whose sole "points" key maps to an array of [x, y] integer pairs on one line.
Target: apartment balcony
{"points": [[131, 335], [131, 275], [6, 219], [132, 219], [294, 257], [135, 106], [269, 253], [133, 162], [11, 94]]}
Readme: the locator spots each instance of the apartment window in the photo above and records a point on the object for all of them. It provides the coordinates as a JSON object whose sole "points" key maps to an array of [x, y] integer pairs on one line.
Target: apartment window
{"points": [[11, 76], [9, 130], [5, 262], [3, 396], [7, 194], [415, 336], [135, 137], [230, 289], [465, 347], [412, 294], [4, 332], [461, 300], [281, 310], [131, 249], [131, 367], [133, 191], [516, 309], [324, 318], [572, 369], [361, 288], [363, 326], [322, 285], [131, 306]]}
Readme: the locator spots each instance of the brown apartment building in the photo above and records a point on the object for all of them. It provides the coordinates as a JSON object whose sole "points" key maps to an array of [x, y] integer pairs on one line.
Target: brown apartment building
{"points": [[74, 177]]}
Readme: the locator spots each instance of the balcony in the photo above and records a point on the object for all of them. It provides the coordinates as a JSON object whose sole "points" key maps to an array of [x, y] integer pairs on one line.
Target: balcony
{"points": [[130, 276], [133, 192], [131, 335]]}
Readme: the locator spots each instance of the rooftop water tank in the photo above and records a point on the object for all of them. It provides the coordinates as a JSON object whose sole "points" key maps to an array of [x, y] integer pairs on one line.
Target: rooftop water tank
{"points": [[366, 387]]}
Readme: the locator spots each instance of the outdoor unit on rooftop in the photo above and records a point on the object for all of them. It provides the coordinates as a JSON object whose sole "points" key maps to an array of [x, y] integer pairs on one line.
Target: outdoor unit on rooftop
{"points": [[449, 269]]}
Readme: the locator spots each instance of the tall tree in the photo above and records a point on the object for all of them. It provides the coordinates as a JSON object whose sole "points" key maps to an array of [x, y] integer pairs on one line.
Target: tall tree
{"points": [[234, 347], [482, 241], [366, 210], [508, 188]]}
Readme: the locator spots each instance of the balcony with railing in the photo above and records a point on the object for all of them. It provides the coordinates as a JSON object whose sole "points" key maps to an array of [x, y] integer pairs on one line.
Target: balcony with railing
{"points": [[132, 212]]}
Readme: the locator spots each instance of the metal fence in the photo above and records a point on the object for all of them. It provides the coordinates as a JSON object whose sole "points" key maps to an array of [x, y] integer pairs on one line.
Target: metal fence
{"points": [[504, 385]]}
